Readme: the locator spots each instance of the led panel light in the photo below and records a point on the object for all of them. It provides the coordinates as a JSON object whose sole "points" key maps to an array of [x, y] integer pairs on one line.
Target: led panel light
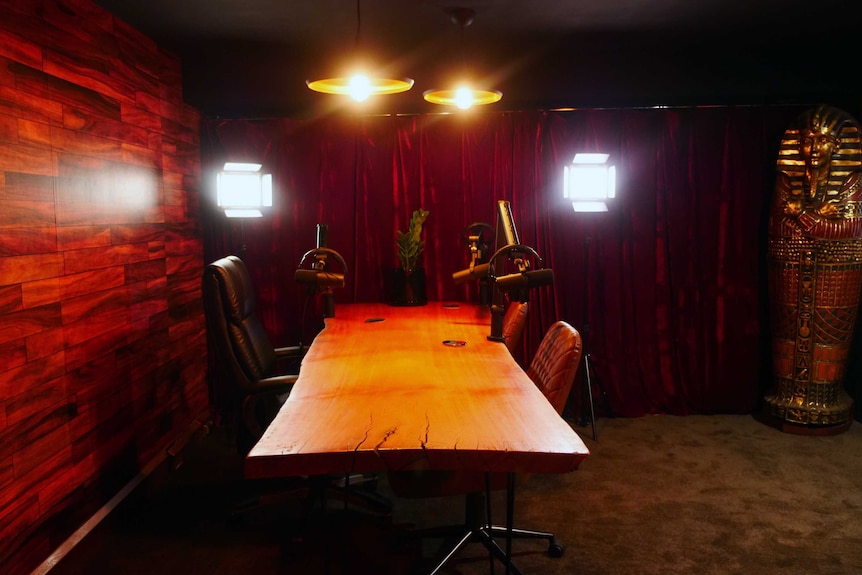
{"points": [[242, 190], [589, 182]]}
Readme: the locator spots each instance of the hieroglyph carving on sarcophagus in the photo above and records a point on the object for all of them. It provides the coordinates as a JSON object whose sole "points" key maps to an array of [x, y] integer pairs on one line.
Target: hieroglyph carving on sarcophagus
{"points": [[815, 268]]}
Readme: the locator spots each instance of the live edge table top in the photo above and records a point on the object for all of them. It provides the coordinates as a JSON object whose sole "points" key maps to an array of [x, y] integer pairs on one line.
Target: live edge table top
{"points": [[379, 390]]}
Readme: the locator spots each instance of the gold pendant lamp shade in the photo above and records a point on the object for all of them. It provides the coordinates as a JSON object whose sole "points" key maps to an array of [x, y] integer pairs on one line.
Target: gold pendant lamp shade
{"points": [[463, 95], [358, 84]]}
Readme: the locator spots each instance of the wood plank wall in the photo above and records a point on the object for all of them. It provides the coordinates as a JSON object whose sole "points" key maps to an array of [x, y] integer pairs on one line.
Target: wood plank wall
{"points": [[102, 343]]}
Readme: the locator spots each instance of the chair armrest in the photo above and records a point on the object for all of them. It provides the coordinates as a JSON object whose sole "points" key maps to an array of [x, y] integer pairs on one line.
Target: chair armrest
{"points": [[268, 387], [289, 359], [290, 352], [274, 384]]}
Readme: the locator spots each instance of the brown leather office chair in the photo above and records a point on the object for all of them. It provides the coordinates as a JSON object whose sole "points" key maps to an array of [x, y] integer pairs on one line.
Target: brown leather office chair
{"points": [[514, 321], [245, 376], [552, 369], [555, 364]]}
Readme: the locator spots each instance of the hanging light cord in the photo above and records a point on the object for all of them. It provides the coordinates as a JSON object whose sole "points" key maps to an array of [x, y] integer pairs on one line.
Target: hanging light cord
{"points": [[358, 25], [461, 48]]}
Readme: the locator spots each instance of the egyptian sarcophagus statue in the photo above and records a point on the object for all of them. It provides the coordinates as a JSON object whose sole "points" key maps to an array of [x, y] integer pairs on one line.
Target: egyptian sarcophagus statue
{"points": [[815, 268]]}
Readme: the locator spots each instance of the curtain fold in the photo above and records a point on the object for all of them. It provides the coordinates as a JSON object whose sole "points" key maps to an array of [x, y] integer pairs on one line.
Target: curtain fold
{"points": [[667, 287]]}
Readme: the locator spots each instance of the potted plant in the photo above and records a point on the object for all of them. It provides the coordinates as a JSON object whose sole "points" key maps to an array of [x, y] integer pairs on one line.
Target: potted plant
{"points": [[408, 286]]}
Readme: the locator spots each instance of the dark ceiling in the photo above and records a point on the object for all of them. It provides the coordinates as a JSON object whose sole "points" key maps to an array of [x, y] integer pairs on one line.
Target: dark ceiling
{"points": [[251, 58]]}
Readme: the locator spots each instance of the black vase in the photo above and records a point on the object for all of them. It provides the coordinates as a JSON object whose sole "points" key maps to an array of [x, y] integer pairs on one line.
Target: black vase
{"points": [[407, 287]]}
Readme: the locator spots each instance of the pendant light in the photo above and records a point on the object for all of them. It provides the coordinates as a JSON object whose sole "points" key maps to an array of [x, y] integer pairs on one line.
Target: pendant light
{"points": [[358, 84], [463, 95]]}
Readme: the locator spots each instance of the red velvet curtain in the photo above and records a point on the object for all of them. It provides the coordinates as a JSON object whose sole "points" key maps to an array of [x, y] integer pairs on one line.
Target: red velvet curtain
{"points": [[667, 287]]}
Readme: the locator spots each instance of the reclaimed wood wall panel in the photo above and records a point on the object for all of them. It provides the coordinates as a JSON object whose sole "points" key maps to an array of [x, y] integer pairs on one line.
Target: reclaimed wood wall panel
{"points": [[44, 343], [11, 298], [19, 214], [102, 341], [36, 400], [21, 324], [14, 353], [40, 292], [29, 187], [27, 241], [8, 128]]}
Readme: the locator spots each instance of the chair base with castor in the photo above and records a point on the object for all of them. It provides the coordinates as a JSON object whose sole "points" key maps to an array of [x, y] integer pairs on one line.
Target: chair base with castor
{"points": [[478, 528]]}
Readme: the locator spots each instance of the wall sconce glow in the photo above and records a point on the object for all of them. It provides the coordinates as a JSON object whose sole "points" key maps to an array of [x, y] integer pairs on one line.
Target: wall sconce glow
{"points": [[589, 182], [242, 190]]}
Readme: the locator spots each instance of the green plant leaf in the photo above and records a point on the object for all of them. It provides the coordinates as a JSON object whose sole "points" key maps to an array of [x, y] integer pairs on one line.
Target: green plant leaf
{"points": [[410, 244]]}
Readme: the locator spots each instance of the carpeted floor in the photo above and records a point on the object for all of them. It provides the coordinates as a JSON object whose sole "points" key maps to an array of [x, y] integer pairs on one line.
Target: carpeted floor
{"points": [[658, 495]]}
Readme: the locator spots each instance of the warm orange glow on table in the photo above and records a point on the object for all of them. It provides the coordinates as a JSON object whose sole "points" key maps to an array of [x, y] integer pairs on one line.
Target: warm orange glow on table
{"points": [[390, 395]]}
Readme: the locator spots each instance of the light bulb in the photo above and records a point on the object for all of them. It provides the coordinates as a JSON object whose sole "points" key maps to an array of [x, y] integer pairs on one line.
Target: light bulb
{"points": [[463, 97], [360, 87]]}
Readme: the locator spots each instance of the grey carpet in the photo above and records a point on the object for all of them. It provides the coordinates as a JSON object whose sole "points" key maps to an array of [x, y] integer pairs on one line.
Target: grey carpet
{"points": [[658, 495]]}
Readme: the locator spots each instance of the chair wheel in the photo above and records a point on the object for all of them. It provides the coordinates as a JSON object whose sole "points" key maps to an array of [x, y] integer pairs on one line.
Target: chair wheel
{"points": [[555, 550]]}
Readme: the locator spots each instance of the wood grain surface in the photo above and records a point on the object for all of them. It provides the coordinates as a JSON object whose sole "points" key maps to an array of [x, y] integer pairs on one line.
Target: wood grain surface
{"points": [[102, 338], [389, 395]]}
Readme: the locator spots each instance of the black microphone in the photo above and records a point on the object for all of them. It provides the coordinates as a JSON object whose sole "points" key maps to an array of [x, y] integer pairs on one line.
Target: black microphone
{"points": [[319, 278], [322, 229], [478, 272], [525, 280]]}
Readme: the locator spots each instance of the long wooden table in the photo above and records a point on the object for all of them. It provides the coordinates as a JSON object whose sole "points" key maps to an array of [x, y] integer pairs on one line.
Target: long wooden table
{"points": [[379, 390]]}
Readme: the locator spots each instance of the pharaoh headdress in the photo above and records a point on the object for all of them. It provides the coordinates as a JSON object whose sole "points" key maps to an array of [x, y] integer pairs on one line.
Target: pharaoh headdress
{"points": [[846, 156]]}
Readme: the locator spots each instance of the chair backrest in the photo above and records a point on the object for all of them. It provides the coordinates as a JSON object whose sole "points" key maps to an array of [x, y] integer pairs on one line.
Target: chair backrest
{"points": [[556, 362], [233, 326], [513, 324]]}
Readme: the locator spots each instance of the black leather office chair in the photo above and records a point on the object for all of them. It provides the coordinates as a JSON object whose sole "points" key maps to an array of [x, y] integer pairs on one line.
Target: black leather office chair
{"points": [[552, 369], [246, 380], [248, 387]]}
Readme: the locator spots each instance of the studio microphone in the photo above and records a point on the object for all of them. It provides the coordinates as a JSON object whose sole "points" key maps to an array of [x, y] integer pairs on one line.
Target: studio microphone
{"points": [[319, 278], [525, 280], [322, 229], [477, 272]]}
